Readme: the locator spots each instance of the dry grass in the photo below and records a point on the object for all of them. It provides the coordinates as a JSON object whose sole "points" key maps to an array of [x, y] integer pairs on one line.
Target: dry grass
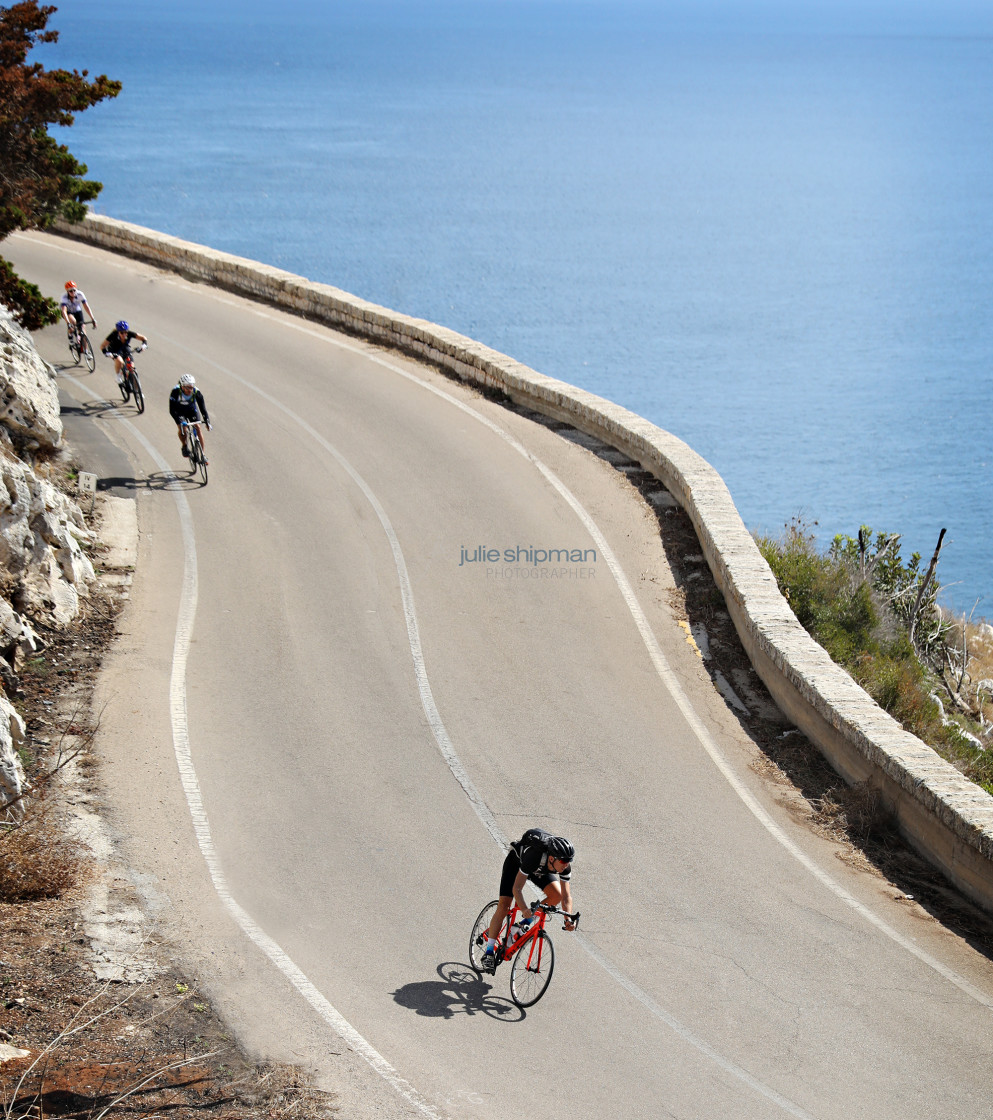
{"points": [[37, 859], [975, 680]]}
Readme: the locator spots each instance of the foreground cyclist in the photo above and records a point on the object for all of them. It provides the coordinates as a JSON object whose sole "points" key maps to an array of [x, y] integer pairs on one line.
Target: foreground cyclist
{"points": [[73, 306], [117, 345], [547, 861], [186, 403]]}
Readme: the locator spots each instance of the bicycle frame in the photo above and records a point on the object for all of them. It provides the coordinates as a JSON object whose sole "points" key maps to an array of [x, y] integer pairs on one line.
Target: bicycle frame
{"points": [[188, 425], [508, 948]]}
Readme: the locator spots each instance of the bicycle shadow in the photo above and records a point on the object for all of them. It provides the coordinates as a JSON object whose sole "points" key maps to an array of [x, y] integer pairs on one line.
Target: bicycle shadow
{"points": [[460, 991], [184, 481], [160, 480], [100, 410]]}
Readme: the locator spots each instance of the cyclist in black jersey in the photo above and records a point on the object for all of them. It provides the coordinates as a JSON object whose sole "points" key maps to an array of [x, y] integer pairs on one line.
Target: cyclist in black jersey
{"points": [[118, 344], [186, 403], [547, 861]]}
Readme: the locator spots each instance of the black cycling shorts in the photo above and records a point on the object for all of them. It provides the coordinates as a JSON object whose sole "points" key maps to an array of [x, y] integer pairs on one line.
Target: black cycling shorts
{"points": [[511, 866]]}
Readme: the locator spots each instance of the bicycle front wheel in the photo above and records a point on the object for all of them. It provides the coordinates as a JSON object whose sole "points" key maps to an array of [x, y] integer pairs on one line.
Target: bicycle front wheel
{"points": [[532, 970], [200, 459], [139, 396], [477, 939], [86, 349]]}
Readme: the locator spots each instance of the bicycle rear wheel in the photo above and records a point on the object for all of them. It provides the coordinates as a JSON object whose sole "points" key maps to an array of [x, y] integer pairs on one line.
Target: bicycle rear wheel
{"points": [[139, 396], [86, 349], [478, 936], [74, 348], [531, 971], [125, 385]]}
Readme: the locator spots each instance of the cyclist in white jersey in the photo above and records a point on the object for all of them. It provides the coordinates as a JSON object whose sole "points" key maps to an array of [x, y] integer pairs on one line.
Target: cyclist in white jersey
{"points": [[74, 304]]}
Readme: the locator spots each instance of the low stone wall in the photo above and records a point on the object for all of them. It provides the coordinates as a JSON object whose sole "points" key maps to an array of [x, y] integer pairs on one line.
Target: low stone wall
{"points": [[946, 817]]}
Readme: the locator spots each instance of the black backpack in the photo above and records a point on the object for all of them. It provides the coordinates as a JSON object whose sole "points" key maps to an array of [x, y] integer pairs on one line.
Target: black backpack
{"points": [[535, 836]]}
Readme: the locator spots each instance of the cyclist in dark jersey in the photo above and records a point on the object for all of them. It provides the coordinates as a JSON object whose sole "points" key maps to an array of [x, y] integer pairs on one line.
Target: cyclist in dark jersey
{"points": [[186, 403], [118, 344], [547, 861]]}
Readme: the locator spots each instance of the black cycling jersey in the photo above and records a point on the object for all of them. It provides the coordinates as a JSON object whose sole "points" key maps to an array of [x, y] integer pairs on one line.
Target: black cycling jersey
{"points": [[530, 855], [114, 345], [187, 408]]}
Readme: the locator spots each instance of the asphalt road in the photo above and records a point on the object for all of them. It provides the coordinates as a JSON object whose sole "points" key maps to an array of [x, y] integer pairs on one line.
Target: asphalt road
{"points": [[320, 725]]}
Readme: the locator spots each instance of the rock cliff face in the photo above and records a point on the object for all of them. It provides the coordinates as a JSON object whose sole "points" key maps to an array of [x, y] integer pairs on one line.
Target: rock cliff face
{"points": [[44, 572]]}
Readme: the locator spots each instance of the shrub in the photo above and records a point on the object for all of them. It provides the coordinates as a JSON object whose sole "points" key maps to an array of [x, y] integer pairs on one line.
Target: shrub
{"points": [[37, 859], [878, 617]]}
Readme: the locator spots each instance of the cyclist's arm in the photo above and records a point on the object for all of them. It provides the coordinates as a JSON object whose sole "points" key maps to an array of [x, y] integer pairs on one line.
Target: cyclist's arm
{"points": [[567, 904], [93, 321]]}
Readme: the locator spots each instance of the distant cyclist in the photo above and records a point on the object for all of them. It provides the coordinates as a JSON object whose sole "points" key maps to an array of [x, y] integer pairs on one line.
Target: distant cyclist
{"points": [[118, 346], [547, 861], [186, 403], [74, 307]]}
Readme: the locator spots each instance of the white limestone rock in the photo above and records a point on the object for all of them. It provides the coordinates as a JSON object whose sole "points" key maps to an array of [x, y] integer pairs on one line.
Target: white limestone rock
{"points": [[12, 779], [29, 399]]}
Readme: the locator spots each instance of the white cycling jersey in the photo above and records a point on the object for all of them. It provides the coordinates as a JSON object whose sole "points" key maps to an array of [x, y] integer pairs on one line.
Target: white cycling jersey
{"points": [[74, 305]]}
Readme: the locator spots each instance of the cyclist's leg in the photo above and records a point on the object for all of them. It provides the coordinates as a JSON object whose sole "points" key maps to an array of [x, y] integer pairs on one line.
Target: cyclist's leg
{"points": [[503, 907], [508, 876], [553, 892], [182, 440]]}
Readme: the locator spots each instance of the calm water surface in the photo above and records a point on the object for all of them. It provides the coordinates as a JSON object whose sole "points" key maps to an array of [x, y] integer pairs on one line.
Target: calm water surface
{"points": [[767, 228]]}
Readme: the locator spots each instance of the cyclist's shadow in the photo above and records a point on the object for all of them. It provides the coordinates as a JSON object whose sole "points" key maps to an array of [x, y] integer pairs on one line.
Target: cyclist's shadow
{"points": [[460, 991]]}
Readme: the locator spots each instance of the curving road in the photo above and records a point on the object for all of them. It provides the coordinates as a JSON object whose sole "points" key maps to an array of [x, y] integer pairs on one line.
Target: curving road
{"points": [[321, 726]]}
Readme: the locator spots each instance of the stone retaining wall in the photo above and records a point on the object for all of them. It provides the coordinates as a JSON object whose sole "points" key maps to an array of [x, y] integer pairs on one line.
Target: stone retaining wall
{"points": [[945, 816]]}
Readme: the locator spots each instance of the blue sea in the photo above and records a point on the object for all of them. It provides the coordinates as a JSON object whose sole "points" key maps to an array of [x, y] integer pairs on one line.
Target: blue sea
{"points": [[767, 227]]}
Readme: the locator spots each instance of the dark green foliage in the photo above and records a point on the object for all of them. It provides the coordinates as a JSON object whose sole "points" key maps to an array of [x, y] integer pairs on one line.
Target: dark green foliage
{"points": [[41, 180], [31, 309]]}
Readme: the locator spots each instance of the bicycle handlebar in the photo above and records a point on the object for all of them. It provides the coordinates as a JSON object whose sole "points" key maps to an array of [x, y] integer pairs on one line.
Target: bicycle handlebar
{"points": [[574, 918]]}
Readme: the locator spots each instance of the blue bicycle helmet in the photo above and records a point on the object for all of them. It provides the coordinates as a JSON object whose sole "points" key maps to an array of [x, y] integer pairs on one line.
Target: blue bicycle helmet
{"points": [[122, 325]]}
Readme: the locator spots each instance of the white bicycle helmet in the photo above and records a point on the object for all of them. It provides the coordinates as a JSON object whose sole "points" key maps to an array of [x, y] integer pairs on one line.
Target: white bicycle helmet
{"points": [[188, 379]]}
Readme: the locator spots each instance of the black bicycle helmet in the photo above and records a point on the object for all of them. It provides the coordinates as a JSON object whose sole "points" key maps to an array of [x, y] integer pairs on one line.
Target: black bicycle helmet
{"points": [[559, 847]]}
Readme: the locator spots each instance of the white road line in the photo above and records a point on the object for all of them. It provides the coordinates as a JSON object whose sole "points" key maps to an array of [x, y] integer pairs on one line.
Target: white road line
{"points": [[441, 735], [198, 813]]}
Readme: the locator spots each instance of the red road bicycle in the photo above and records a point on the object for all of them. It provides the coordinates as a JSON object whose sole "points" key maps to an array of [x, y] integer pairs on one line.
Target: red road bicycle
{"points": [[131, 386], [532, 951]]}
